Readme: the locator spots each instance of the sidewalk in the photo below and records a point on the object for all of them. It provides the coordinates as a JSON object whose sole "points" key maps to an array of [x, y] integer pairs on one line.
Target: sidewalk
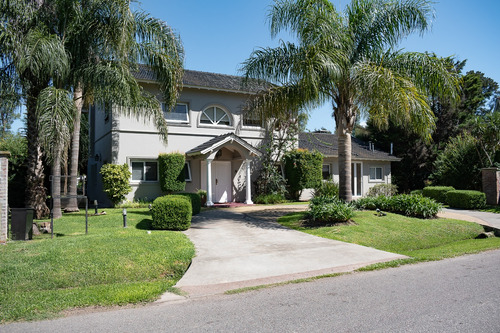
{"points": [[234, 250]]}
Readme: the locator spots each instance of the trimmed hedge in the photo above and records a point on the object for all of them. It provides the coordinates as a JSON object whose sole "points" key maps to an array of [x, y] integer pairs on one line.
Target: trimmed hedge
{"points": [[328, 209], [466, 199], [195, 200], [437, 193], [171, 169], [405, 204], [171, 212]]}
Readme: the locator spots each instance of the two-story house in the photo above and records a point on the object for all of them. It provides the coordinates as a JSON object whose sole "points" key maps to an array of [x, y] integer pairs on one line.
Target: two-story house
{"points": [[209, 126]]}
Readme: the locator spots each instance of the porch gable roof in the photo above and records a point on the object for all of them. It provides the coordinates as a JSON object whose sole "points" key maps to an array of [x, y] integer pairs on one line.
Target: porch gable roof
{"points": [[219, 141]]}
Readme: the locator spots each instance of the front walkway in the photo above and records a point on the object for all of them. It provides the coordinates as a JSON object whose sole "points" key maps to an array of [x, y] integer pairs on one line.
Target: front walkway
{"points": [[234, 250]]}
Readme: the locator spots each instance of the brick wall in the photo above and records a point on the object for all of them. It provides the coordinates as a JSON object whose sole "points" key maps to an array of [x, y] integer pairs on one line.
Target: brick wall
{"points": [[491, 185], [4, 171]]}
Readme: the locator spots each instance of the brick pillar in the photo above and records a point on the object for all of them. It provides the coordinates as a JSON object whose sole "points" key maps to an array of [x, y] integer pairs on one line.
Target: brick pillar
{"points": [[491, 185], [4, 185]]}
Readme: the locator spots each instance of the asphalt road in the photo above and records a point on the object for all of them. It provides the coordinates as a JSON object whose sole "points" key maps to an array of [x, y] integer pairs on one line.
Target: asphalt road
{"points": [[454, 295]]}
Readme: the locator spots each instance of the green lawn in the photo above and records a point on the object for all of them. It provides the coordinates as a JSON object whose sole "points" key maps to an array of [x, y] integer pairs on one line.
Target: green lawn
{"points": [[420, 239], [111, 265]]}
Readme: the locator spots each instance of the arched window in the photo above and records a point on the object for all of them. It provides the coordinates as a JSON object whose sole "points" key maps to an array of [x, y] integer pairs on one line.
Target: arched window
{"points": [[214, 115]]}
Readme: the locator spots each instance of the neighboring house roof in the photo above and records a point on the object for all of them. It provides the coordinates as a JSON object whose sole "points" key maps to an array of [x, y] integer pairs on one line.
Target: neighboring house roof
{"points": [[327, 144], [205, 80], [217, 142]]}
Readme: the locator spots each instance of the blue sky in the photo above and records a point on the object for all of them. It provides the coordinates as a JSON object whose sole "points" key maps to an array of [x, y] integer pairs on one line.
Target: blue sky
{"points": [[219, 35]]}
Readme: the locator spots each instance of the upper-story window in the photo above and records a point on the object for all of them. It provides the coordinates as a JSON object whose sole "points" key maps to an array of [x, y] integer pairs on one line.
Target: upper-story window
{"points": [[214, 115], [252, 119], [180, 113]]}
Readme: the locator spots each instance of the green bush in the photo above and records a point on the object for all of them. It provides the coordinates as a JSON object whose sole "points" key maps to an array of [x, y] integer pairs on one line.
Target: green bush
{"points": [[269, 199], [329, 210], [302, 170], [115, 181], [171, 168], [203, 196], [409, 205], [195, 200], [171, 212], [416, 192], [466, 199], [327, 188], [383, 189], [437, 193]]}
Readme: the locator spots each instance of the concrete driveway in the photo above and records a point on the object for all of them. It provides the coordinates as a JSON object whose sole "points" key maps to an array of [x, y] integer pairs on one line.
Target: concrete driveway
{"points": [[235, 250]]}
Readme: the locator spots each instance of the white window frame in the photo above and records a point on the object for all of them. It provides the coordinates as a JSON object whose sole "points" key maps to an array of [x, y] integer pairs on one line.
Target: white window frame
{"points": [[376, 180], [188, 165], [212, 122], [165, 112], [329, 171], [355, 179], [143, 161]]}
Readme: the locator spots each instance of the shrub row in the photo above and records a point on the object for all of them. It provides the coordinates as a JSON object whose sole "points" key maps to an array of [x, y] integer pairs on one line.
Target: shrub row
{"points": [[456, 198], [437, 193], [466, 199], [328, 209], [409, 205]]}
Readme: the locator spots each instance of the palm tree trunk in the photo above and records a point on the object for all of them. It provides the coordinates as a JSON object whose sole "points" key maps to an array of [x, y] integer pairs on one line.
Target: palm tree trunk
{"points": [[75, 149], [56, 186], [35, 176], [345, 190]]}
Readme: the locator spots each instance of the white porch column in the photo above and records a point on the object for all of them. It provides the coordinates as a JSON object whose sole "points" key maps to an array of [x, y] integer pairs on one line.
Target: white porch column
{"points": [[209, 183], [248, 200]]}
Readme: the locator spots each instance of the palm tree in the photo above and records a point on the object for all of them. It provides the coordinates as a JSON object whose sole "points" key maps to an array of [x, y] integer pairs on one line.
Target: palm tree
{"points": [[55, 113], [107, 40], [31, 54], [349, 60]]}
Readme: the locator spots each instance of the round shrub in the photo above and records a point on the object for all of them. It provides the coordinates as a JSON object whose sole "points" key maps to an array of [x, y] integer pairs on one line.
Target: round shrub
{"points": [[466, 199], [437, 193], [330, 210], [383, 189], [195, 200], [171, 212]]}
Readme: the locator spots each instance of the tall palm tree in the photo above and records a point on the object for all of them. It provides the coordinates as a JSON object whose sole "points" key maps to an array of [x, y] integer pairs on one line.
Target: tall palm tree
{"points": [[106, 40], [31, 54], [349, 60], [55, 113]]}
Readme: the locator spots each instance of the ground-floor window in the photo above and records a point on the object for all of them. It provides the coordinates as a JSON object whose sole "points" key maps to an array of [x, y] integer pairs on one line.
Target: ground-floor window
{"points": [[376, 173], [326, 172], [187, 172], [145, 171]]}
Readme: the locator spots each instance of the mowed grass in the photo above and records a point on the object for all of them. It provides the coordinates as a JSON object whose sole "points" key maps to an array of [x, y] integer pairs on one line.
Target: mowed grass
{"points": [[419, 239], [111, 265]]}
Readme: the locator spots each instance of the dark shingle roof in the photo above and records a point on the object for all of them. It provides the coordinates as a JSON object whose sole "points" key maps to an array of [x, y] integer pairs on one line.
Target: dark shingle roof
{"points": [[327, 144], [205, 80]]}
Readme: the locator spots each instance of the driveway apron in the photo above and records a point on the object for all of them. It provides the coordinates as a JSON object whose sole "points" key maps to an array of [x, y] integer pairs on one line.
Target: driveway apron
{"points": [[234, 250]]}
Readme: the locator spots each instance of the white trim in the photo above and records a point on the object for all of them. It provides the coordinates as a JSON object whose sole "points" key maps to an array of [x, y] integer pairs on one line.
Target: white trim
{"points": [[190, 179], [213, 121], [355, 179]]}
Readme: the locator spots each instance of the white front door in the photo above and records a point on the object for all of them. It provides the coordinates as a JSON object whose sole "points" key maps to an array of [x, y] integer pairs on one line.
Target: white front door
{"points": [[221, 180]]}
